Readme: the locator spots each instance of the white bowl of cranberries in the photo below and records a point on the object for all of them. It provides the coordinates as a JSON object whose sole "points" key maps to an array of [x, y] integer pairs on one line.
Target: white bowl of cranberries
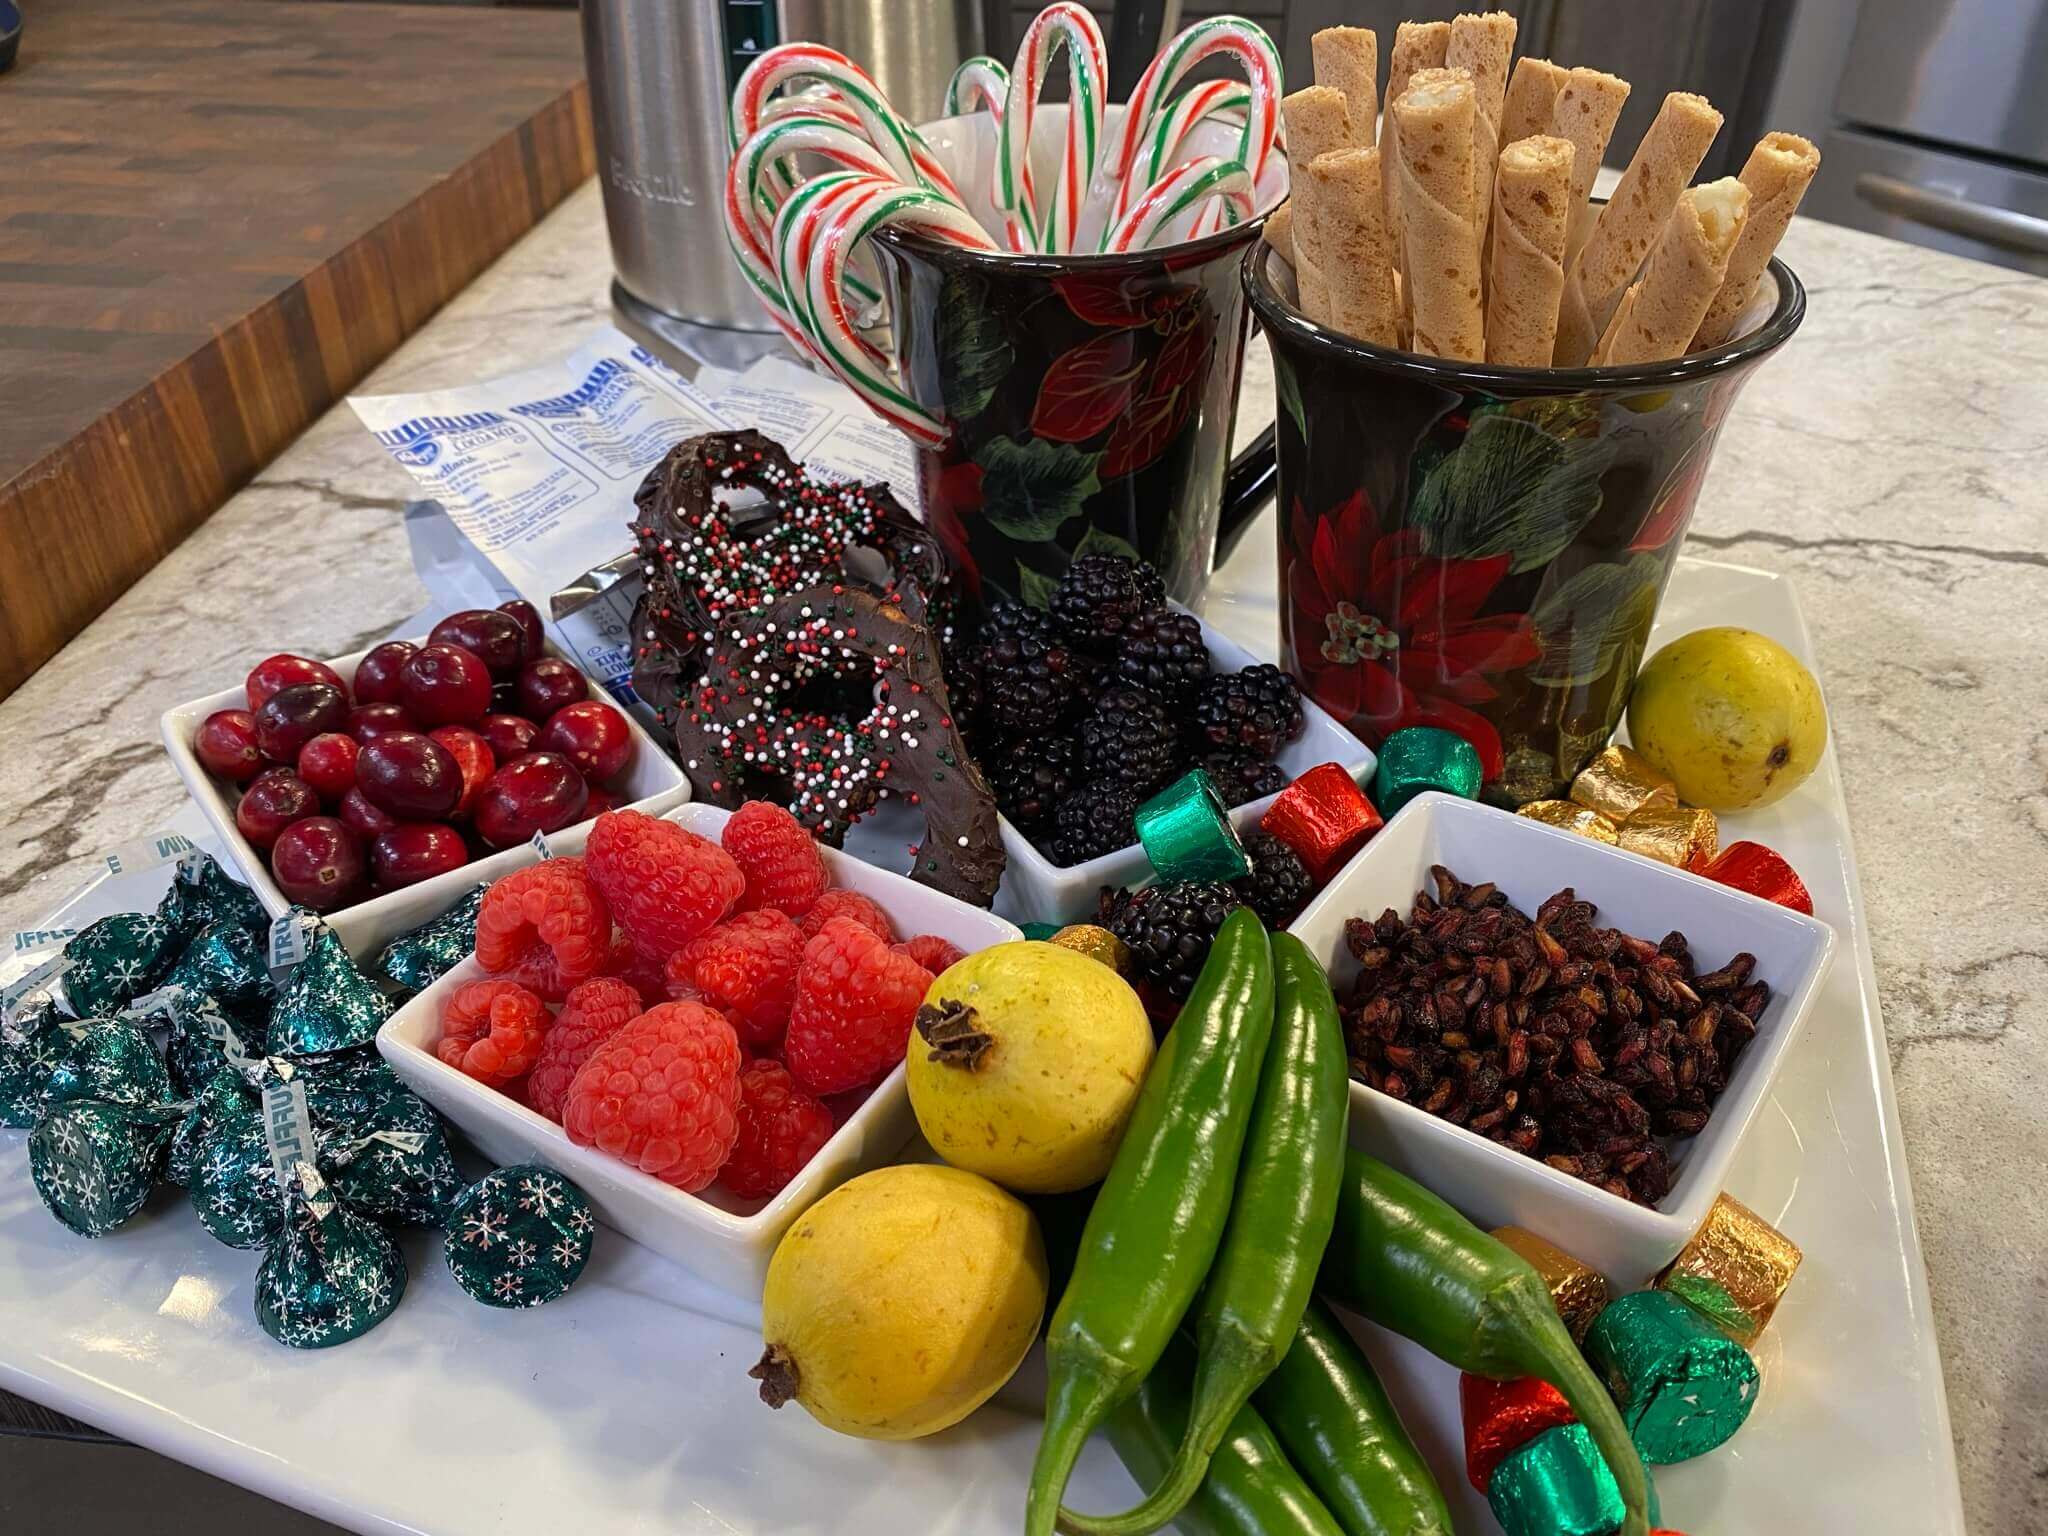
{"points": [[376, 780]]}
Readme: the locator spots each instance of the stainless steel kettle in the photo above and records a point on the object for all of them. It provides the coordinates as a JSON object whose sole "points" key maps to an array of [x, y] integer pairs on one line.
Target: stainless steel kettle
{"points": [[661, 73]]}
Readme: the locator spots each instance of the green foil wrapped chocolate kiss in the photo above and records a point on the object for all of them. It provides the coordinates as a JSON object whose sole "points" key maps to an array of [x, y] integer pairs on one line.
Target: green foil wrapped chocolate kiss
{"points": [[519, 1236], [414, 961], [331, 1275], [327, 1004]]}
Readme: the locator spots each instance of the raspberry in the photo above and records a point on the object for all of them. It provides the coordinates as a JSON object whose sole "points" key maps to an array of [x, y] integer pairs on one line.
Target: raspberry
{"points": [[540, 972], [782, 864], [930, 951], [666, 884], [593, 1013], [492, 1030], [855, 998], [781, 1127], [746, 969], [640, 970], [839, 903], [551, 905], [661, 1095]]}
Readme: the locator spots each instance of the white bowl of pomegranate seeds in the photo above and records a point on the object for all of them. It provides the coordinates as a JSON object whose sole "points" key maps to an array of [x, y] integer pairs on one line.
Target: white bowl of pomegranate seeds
{"points": [[1495, 854], [726, 1238], [449, 851]]}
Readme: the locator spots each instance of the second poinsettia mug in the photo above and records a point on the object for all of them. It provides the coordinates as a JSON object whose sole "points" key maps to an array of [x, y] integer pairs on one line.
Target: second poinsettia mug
{"points": [[1480, 548]]}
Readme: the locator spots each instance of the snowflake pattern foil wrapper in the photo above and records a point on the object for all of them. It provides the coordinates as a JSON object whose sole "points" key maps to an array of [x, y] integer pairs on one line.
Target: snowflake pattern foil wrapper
{"points": [[519, 1236], [95, 1163], [414, 961], [331, 1276], [327, 1004]]}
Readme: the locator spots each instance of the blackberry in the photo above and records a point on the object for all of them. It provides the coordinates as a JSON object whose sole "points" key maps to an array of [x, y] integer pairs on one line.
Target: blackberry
{"points": [[1007, 616], [1026, 682], [1032, 776], [1258, 709], [960, 661], [1100, 595], [1242, 776], [1169, 928], [1127, 736], [1095, 819], [1162, 652], [1279, 885]]}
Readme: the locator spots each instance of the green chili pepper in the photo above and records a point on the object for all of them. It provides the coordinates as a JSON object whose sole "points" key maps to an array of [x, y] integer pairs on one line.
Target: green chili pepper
{"points": [[1250, 1489], [1403, 1258], [1159, 1217], [1280, 1221], [1332, 1417]]}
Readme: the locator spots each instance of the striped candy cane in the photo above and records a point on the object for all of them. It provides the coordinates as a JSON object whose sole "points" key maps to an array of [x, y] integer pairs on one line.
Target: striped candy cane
{"points": [[981, 83], [909, 157], [1201, 179], [1233, 36], [752, 194], [815, 241], [790, 249], [1063, 24]]}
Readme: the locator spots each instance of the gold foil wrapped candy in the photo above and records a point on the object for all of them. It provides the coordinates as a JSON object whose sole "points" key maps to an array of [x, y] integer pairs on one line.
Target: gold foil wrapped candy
{"points": [[1096, 943], [1734, 1271], [1620, 783], [1573, 817], [1686, 838], [1579, 1290]]}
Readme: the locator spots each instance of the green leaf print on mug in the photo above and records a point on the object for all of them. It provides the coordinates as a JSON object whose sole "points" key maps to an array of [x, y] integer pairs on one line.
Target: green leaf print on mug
{"points": [[1030, 487], [1511, 489]]}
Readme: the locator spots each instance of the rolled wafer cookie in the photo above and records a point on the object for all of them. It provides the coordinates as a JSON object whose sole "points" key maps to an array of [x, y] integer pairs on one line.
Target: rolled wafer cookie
{"points": [[1484, 46], [1531, 207], [1417, 45], [1659, 314], [1531, 98], [1629, 225], [1778, 172], [1279, 231], [1357, 264], [1349, 59], [1439, 220], [1587, 107], [1317, 123]]}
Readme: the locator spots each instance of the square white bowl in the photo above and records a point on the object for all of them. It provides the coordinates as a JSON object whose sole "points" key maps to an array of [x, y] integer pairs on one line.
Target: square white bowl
{"points": [[652, 782], [725, 1239], [1495, 1185], [1035, 889]]}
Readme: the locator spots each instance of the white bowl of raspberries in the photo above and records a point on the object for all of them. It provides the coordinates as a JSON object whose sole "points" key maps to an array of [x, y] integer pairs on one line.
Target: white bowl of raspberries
{"points": [[375, 788], [701, 1020]]}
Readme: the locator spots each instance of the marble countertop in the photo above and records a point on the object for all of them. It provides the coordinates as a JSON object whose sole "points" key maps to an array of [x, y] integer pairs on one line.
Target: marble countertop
{"points": [[1891, 462]]}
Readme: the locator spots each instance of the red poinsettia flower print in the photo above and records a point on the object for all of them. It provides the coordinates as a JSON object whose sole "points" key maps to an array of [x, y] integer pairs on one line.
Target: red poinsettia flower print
{"points": [[1386, 636]]}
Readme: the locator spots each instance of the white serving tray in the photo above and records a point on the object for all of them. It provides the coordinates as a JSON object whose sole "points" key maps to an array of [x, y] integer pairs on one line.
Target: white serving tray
{"points": [[625, 1407]]}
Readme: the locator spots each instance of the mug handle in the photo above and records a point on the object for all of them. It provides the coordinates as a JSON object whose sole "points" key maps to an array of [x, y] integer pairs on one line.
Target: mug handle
{"points": [[1248, 485]]}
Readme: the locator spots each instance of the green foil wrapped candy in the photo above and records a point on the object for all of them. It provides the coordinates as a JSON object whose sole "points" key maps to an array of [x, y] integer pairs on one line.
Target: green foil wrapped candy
{"points": [[400, 1169], [215, 896], [219, 1100], [117, 959], [204, 1038], [30, 1048], [1557, 1485], [1187, 833], [231, 1184], [519, 1236], [110, 1059], [326, 1004], [414, 961], [1420, 757], [331, 1275], [1684, 1387], [224, 961], [95, 1163]]}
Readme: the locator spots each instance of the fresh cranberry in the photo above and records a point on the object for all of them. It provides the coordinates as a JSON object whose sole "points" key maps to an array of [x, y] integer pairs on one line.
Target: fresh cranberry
{"points": [[409, 775], [600, 801], [293, 716], [473, 756], [275, 799], [377, 673], [416, 850], [366, 722], [445, 685], [319, 863], [550, 684], [282, 671], [592, 735], [494, 638], [527, 617], [328, 763], [541, 792], [225, 745], [509, 736], [357, 811]]}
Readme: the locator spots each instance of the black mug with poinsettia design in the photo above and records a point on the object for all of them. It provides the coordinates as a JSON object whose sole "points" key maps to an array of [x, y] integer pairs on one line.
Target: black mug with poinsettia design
{"points": [[1484, 548], [1087, 402]]}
